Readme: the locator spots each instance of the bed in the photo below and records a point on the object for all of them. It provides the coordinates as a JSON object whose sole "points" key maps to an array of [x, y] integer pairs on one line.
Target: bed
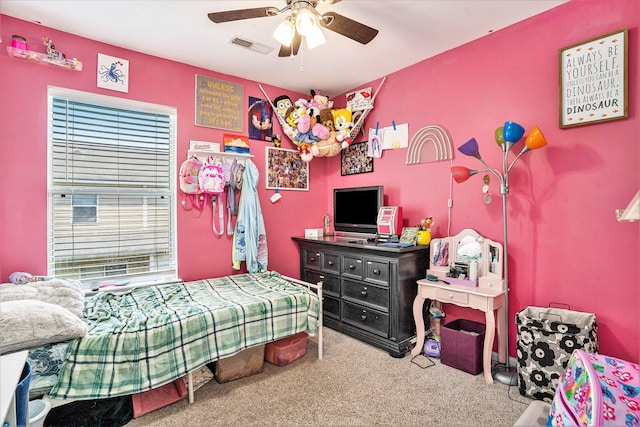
{"points": [[143, 338]]}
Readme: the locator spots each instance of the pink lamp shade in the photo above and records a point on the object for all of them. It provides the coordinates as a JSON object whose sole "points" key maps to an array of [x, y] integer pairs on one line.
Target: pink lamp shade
{"points": [[460, 173], [535, 139], [512, 132], [470, 148]]}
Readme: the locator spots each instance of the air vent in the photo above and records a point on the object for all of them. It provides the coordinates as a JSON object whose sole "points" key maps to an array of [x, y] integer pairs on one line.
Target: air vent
{"points": [[254, 46]]}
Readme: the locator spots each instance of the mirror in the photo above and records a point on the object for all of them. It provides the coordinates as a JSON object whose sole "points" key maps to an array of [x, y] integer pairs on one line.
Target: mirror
{"points": [[457, 252], [469, 249]]}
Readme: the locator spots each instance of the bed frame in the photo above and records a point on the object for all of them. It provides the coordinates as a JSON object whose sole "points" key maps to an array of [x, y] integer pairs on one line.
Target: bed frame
{"points": [[318, 288]]}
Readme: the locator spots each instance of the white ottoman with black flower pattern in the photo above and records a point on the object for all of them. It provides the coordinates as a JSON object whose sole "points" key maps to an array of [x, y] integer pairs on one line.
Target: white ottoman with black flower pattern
{"points": [[546, 340]]}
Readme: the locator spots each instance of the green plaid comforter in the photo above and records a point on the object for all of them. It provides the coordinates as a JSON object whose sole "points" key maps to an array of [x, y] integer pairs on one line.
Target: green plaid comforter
{"points": [[147, 337]]}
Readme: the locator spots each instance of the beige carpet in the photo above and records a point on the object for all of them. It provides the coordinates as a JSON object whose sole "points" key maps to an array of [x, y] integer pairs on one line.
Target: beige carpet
{"points": [[354, 384]]}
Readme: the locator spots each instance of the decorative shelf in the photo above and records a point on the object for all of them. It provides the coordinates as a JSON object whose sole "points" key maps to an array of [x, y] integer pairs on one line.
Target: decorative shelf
{"points": [[43, 58], [203, 155]]}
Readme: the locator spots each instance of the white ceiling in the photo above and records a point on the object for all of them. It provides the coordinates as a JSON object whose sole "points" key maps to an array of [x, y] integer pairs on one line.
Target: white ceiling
{"points": [[409, 32]]}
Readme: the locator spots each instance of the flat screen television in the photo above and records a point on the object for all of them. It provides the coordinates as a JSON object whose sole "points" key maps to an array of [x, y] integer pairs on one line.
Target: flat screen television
{"points": [[355, 210]]}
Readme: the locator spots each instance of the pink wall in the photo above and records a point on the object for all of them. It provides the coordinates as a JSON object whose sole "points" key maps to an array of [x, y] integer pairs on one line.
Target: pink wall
{"points": [[23, 135], [565, 245]]}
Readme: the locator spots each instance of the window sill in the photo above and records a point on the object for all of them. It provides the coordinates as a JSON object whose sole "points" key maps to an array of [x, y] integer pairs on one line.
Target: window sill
{"points": [[120, 285]]}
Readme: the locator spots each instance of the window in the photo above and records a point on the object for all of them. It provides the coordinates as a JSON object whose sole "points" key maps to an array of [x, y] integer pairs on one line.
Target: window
{"points": [[85, 208], [111, 188]]}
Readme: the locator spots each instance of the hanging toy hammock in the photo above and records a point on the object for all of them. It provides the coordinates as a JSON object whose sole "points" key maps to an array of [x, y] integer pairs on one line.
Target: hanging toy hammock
{"points": [[333, 142]]}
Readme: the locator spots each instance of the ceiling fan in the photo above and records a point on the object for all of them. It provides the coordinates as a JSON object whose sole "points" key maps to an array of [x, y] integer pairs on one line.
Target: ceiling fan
{"points": [[304, 21]]}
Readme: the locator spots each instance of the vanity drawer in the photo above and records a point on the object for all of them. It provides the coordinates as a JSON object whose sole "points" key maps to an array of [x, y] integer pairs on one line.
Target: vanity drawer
{"points": [[331, 263], [447, 295], [330, 284], [352, 267], [377, 271], [367, 294], [312, 259], [365, 318]]}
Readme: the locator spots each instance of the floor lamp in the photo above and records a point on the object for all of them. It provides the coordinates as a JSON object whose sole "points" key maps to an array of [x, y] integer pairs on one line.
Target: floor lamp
{"points": [[506, 136]]}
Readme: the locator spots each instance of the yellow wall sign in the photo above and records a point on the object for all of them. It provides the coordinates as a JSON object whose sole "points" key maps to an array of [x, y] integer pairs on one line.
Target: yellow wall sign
{"points": [[219, 104]]}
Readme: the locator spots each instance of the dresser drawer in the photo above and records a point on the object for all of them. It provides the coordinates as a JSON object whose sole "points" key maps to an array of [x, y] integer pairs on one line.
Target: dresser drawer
{"points": [[331, 306], [330, 284], [331, 263], [312, 259], [352, 267], [377, 271], [365, 318], [367, 294], [445, 295]]}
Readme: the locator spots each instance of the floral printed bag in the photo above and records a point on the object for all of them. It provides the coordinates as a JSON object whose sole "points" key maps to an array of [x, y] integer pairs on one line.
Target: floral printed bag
{"points": [[546, 339]]}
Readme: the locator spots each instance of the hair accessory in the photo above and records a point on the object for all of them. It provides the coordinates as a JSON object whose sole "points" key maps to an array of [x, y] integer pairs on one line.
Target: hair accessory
{"points": [[485, 189]]}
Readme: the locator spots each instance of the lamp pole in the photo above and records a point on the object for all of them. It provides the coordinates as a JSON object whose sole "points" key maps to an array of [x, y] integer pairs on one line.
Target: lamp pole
{"points": [[506, 375], [505, 137]]}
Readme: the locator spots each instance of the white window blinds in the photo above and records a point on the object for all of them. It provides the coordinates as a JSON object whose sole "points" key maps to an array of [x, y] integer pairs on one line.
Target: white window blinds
{"points": [[111, 188]]}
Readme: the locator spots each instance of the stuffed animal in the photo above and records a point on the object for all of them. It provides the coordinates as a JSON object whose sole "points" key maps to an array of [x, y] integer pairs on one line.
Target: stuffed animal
{"points": [[342, 124], [327, 147], [283, 103], [326, 118]]}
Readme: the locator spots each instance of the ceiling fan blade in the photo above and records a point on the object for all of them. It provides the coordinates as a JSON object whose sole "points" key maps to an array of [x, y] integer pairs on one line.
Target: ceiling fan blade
{"points": [[295, 46], [236, 15], [348, 27]]}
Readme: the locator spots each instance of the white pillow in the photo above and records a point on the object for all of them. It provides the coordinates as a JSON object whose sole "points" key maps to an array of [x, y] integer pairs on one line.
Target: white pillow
{"points": [[30, 323], [63, 293]]}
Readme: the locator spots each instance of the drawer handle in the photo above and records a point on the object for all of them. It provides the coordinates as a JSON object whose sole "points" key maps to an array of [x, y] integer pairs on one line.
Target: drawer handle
{"points": [[352, 267], [330, 262], [312, 259], [376, 271], [450, 296], [363, 316], [364, 292]]}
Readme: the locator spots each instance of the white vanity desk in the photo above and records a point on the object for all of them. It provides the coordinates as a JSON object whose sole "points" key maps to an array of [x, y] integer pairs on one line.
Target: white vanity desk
{"points": [[487, 296]]}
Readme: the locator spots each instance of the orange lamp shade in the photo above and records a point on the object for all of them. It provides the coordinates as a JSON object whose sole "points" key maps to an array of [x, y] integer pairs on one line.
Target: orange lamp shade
{"points": [[535, 139]]}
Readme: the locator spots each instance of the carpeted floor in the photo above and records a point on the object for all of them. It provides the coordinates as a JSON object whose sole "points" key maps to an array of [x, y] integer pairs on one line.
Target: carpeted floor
{"points": [[354, 384]]}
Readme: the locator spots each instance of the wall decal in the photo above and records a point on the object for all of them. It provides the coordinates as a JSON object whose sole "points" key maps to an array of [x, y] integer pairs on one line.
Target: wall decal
{"points": [[429, 144]]}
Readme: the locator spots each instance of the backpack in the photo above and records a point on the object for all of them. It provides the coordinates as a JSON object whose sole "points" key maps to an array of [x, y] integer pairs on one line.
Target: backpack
{"points": [[211, 180], [190, 184]]}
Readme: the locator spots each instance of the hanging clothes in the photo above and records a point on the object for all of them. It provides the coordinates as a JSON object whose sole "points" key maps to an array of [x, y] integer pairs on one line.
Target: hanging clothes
{"points": [[250, 236]]}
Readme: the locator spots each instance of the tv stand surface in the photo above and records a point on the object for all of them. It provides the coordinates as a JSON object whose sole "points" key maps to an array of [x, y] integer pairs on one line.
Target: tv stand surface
{"points": [[368, 289]]}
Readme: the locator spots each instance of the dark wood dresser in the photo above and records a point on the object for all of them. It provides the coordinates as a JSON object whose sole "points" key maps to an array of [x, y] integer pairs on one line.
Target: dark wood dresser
{"points": [[368, 289]]}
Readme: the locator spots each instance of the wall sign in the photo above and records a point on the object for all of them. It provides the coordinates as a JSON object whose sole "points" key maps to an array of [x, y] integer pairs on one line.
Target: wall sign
{"points": [[593, 80], [219, 104], [113, 73]]}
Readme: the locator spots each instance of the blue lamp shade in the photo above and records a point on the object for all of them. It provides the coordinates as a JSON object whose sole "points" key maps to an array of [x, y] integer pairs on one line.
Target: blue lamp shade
{"points": [[470, 148], [512, 132]]}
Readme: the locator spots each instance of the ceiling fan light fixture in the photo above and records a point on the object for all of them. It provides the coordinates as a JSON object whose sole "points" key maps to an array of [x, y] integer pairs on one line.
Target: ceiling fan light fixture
{"points": [[285, 32], [306, 21], [315, 38]]}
